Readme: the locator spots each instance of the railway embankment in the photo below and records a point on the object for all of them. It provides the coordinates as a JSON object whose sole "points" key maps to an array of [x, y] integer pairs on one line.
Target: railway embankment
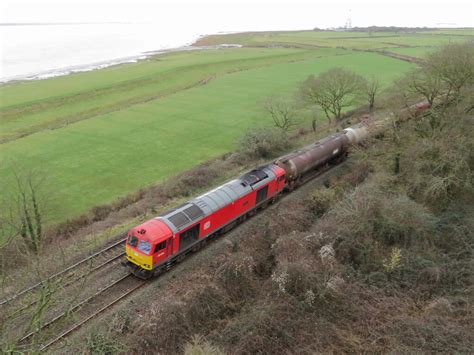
{"points": [[378, 258]]}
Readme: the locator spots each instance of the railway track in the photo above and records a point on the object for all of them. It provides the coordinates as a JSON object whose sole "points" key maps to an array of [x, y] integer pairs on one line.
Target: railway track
{"points": [[27, 297], [63, 323], [70, 320], [71, 271]]}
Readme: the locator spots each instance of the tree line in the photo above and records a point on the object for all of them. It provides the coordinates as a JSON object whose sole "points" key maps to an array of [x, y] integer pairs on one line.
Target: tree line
{"points": [[442, 78]]}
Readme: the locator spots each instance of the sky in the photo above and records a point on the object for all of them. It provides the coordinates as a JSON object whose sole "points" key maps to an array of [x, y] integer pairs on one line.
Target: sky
{"points": [[231, 15]]}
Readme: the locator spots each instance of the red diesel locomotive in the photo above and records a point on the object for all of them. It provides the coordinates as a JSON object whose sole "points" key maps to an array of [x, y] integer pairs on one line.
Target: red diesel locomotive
{"points": [[154, 245]]}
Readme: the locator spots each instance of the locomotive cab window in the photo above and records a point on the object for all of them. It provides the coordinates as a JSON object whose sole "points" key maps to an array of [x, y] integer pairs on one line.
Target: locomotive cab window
{"points": [[144, 246], [160, 246], [133, 241]]}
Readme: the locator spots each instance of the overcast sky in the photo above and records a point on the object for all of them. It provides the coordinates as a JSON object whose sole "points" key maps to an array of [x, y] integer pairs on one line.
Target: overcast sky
{"points": [[231, 15]]}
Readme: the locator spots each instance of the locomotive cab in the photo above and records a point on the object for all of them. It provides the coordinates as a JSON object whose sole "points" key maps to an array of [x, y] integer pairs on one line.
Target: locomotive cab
{"points": [[149, 244]]}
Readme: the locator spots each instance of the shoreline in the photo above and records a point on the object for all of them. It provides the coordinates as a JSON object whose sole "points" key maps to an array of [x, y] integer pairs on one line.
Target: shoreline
{"points": [[69, 70]]}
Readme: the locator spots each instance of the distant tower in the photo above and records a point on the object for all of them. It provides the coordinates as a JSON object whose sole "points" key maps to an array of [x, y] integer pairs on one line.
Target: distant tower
{"points": [[348, 25]]}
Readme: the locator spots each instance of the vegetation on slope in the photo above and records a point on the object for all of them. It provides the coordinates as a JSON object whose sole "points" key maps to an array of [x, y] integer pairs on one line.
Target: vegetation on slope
{"points": [[380, 260]]}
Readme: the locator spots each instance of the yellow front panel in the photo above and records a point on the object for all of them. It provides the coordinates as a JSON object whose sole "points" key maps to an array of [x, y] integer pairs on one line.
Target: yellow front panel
{"points": [[144, 261]]}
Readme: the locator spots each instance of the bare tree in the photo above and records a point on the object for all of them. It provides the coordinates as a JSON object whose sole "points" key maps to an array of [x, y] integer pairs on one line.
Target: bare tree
{"points": [[423, 82], [453, 66], [333, 90], [444, 76], [372, 87], [282, 112], [24, 209]]}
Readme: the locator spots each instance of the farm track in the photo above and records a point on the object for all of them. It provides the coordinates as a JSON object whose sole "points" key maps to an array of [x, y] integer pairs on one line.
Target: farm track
{"points": [[72, 319]]}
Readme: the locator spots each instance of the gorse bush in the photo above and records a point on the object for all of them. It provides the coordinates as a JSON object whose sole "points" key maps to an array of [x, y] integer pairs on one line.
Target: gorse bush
{"points": [[321, 200], [439, 168], [370, 212], [236, 276]]}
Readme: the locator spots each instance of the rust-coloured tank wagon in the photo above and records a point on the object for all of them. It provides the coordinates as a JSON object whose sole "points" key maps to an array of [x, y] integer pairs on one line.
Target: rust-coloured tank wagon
{"points": [[300, 162]]}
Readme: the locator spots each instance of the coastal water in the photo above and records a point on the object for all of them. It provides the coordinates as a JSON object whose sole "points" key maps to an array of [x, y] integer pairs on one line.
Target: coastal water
{"points": [[41, 51]]}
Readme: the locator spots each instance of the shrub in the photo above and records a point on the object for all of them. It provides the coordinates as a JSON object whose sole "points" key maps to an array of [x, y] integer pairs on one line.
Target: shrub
{"points": [[199, 346], [206, 308], [236, 277], [100, 212], [321, 200], [373, 213], [99, 343], [66, 229], [264, 326], [262, 143], [439, 170]]}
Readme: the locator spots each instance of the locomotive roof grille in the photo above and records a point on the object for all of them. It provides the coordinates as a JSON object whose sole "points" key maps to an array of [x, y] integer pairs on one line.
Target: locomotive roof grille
{"points": [[179, 219], [253, 177], [193, 212], [183, 215]]}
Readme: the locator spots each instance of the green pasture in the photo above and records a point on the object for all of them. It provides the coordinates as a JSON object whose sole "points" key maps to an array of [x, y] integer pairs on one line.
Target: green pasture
{"points": [[353, 40], [455, 31], [96, 160], [61, 101], [418, 52]]}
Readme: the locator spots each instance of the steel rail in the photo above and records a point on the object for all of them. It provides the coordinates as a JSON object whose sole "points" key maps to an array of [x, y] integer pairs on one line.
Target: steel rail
{"points": [[80, 277], [75, 308], [310, 176], [81, 323], [56, 275]]}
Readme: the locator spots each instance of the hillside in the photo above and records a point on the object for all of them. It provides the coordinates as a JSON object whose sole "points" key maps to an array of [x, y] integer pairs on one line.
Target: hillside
{"points": [[362, 260], [373, 255], [370, 261]]}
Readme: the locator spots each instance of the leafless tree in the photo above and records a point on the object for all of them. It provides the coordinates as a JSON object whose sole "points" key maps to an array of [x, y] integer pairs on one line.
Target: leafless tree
{"points": [[372, 87], [453, 66], [444, 76], [24, 209], [423, 82], [282, 112], [333, 91]]}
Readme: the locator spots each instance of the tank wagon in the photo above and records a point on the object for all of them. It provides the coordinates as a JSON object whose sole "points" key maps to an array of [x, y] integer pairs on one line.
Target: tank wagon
{"points": [[155, 245], [300, 163]]}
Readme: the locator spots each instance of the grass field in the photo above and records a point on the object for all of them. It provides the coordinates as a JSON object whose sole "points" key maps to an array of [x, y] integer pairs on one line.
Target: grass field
{"points": [[418, 52], [28, 108], [354, 40], [103, 134]]}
